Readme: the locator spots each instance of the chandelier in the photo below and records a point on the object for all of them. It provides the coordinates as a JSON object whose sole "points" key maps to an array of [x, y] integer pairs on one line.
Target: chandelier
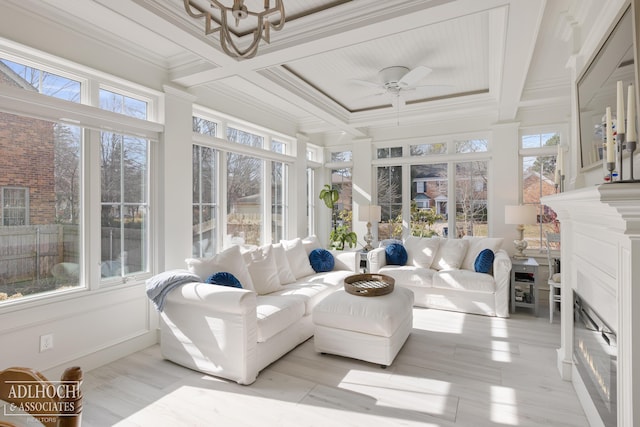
{"points": [[238, 12]]}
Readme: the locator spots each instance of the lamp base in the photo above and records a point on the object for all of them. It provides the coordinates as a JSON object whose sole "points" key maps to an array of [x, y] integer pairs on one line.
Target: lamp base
{"points": [[368, 238], [520, 245]]}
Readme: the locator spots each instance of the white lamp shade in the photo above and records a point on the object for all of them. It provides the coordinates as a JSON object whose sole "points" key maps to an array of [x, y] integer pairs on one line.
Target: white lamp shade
{"points": [[371, 213], [520, 214]]}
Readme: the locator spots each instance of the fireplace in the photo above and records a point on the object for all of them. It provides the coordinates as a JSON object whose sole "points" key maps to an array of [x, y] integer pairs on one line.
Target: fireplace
{"points": [[595, 355]]}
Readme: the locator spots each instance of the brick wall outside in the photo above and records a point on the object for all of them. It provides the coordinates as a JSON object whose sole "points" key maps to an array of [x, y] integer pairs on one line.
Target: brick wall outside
{"points": [[27, 160]]}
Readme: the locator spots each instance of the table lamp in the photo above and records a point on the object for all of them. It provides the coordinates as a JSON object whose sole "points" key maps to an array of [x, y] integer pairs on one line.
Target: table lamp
{"points": [[520, 215], [371, 213]]}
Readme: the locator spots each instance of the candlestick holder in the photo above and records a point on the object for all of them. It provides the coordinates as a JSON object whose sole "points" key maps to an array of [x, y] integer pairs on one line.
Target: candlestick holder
{"points": [[630, 148], [611, 166], [620, 144]]}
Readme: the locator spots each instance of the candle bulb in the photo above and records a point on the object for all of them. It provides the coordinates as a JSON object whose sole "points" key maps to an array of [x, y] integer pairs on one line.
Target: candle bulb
{"points": [[631, 114], [611, 158], [620, 110]]}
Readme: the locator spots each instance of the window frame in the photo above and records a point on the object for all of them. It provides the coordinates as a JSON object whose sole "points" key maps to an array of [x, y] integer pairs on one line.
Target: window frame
{"points": [[2, 203], [90, 120]]}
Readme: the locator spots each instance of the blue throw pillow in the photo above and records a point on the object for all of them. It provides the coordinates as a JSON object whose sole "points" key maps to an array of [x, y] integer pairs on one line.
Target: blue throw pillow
{"points": [[484, 261], [396, 254], [224, 279], [321, 260]]}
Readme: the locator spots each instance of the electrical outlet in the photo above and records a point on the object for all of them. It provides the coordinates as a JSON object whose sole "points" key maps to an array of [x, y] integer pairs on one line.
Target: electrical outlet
{"points": [[46, 342]]}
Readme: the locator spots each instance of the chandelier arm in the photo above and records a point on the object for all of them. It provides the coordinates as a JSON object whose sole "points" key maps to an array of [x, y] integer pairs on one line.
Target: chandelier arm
{"points": [[226, 40], [188, 7]]}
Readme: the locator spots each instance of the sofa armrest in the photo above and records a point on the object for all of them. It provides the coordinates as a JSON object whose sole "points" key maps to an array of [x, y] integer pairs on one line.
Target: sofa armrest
{"points": [[346, 260], [502, 276], [212, 329], [376, 259]]}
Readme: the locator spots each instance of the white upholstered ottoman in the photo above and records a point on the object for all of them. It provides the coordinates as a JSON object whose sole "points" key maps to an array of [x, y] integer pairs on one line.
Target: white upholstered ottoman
{"points": [[373, 329]]}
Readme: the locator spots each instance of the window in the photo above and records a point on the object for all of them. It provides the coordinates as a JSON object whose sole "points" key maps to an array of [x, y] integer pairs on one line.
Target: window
{"points": [[389, 193], [244, 199], [119, 103], [311, 202], [341, 156], [279, 209], [471, 198], [205, 205], [430, 197], [245, 138], [389, 152], [39, 192], [15, 206], [428, 149], [538, 157], [472, 146], [204, 126], [124, 193], [29, 78], [342, 181]]}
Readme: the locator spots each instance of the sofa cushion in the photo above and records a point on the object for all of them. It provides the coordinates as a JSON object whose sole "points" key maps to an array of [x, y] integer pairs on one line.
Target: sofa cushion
{"points": [[396, 254], [310, 243], [312, 289], [409, 275], [421, 250], [321, 260], [451, 253], [477, 245], [282, 264], [484, 261], [464, 280], [264, 272], [223, 278], [276, 314], [297, 257], [229, 260]]}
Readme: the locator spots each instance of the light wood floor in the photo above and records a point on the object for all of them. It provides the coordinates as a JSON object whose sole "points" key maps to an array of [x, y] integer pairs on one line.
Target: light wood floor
{"points": [[454, 370]]}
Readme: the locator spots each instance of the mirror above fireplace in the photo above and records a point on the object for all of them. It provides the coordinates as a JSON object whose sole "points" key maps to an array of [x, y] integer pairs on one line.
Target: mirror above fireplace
{"points": [[596, 88]]}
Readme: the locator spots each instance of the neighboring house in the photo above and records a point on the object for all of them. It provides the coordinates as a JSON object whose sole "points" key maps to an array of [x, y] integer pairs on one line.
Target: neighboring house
{"points": [[535, 185], [27, 189]]}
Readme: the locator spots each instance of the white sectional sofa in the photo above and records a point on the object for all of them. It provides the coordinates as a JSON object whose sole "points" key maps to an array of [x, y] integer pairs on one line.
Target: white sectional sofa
{"points": [[441, 274], [234, 333]]}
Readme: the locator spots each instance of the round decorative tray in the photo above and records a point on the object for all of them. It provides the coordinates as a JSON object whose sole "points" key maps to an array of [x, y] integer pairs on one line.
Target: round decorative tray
{"points": [[369, 285]]}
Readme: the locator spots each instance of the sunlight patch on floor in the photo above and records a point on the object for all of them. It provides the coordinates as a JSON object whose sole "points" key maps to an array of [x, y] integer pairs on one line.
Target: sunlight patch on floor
{"points": [[503, 406], [501, 351], [499, 327]]}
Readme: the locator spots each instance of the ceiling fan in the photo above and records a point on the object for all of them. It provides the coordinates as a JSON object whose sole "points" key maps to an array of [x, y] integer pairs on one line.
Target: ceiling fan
{"points": [[397, 80]]}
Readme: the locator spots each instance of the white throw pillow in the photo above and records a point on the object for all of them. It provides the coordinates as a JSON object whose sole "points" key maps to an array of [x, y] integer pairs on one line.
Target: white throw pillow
{"points": [[282, 264], [477, 245], [264, 272], [450, 254], [310, 243], [297, 257], [421, 250], [230, 260]]}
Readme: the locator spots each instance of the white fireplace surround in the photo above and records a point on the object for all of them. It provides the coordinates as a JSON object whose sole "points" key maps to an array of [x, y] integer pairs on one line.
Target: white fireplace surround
{"points": [[600, 230]]}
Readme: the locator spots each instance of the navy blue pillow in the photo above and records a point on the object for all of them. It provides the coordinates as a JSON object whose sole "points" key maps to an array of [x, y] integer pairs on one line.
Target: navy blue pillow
{"points": [[224, 279], [321, 260], [396, 254], [484, 261]]}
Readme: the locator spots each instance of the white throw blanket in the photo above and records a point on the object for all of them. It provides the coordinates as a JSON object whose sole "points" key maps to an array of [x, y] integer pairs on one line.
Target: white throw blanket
{"points": [[161, 284]]}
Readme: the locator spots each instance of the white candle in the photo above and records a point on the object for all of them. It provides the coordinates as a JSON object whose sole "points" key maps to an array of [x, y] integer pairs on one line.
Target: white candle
{"points": [[620, 110], [631, 114], [611, 158], [558, 165]]}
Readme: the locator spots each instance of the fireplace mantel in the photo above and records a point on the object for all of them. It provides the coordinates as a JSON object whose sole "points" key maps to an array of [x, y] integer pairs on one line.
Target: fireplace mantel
{"points": [[600, 230]]}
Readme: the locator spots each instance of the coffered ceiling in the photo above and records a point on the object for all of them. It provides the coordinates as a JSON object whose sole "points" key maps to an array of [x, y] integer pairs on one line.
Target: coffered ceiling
{"points": [[487, 57]]}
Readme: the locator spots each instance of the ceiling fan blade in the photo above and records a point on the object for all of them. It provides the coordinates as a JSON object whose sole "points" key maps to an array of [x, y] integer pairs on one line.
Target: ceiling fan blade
{"points": [[414, 76], [365, 83]]}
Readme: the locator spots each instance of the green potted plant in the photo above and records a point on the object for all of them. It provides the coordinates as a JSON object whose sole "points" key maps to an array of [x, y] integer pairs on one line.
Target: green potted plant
{"points": [[340, 234]]}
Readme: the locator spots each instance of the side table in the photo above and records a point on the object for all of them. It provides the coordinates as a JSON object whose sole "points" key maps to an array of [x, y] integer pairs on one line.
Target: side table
{"points": [[524, 284]]}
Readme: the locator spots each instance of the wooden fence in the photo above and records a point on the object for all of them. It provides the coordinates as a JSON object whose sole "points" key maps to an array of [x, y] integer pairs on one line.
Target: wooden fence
{"points": [[30, 252]]}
